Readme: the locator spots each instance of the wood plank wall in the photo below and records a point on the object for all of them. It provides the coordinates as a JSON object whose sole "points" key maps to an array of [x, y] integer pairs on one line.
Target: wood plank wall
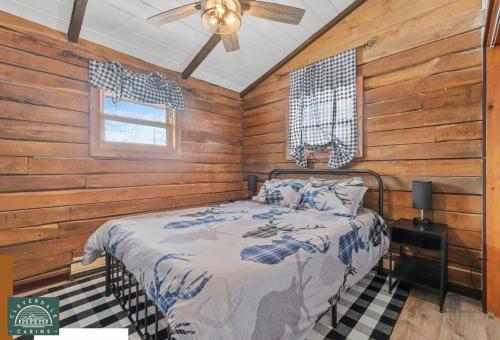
{"points": [[493, 180], [52, 193], [422, 112]]}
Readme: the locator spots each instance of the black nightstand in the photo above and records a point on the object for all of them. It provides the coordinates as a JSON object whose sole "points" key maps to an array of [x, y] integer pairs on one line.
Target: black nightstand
{"points": [[415, 269]]}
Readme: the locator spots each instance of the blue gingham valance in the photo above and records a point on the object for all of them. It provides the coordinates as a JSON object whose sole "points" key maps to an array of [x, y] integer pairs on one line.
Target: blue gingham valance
{"points": [[151, 88], [323, 110]]}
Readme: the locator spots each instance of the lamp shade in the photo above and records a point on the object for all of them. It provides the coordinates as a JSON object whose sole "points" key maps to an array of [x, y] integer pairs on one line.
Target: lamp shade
{"points": [[252, 183], [422, 195]]}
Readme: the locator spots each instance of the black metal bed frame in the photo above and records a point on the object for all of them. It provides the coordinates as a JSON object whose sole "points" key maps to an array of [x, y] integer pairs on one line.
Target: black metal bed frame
{"points": [[126, 288]]}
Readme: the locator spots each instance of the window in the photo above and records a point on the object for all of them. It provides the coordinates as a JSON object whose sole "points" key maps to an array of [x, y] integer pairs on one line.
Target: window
{"points": [[323, 155], [135, 123], [131, 129]]}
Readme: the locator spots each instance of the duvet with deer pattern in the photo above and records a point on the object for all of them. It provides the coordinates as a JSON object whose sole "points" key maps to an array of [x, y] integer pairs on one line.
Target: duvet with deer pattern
{"points": [[243, 270]]}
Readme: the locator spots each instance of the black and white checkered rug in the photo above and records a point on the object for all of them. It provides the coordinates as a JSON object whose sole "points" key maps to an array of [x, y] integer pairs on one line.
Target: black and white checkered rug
{"points": [[367, 311]]}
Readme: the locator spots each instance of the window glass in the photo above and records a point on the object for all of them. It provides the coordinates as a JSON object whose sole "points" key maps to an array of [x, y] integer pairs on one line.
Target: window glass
{"points": [[129, 109], [135, 123], [122, 132]]}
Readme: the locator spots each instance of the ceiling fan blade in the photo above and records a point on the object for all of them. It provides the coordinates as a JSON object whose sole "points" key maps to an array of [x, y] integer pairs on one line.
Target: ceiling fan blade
{"points": [[275, 12], [174, 14], [201, 55], [230, 42]]}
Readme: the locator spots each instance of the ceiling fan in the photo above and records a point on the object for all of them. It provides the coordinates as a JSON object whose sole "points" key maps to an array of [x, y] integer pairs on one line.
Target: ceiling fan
{"points": [[223, 19]]}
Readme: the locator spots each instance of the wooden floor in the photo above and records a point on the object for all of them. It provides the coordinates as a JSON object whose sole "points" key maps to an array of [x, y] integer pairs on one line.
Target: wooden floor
{"points": [[462, 319]]}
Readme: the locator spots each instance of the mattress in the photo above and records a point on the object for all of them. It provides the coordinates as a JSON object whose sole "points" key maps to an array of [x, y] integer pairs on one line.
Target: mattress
{"points": [[243, 270]]}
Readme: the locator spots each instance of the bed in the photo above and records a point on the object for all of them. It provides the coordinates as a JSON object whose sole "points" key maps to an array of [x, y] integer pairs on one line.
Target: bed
{"points": [[240, 270]]}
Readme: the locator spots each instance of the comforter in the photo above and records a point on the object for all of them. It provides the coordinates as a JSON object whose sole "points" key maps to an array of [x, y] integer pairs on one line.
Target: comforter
{"points": [[243, 270]]}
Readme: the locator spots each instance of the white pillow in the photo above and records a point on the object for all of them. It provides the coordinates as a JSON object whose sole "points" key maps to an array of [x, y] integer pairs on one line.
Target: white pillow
{"points": [[279, 191], [338, 197]]}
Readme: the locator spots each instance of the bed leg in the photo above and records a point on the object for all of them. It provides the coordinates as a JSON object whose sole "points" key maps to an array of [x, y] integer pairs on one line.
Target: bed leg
{"points": [[116, 279], [145, 335], [169, 333], [334, 316], [137, 324], [108, 275], [156, 323], [112, 274], [129, 311], [123, 302]]}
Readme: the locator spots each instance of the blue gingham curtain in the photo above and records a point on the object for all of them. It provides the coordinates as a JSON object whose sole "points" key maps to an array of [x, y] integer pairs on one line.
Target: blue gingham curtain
{"points": [[151, 88], [323, 109]]}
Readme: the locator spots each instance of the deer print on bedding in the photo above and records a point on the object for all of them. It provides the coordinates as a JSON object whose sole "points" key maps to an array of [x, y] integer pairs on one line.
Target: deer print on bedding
{"points": [[116, 239], [243, 270], [273, 227], [351, 242], [196, 222], [270, 214], [213, 211], [166, 296], [278, 250]]}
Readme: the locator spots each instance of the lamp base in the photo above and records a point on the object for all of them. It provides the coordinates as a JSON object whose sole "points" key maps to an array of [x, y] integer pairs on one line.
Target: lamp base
{"points": [[421, 221], [251, 195]]}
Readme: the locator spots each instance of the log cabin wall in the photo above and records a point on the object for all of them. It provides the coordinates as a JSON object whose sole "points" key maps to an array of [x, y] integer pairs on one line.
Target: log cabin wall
{"points": [[52, 193], [422, 113]]}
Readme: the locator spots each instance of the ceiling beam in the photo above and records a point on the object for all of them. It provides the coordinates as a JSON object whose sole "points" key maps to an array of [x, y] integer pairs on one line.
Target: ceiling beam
{"points": [[75, 25], [302, 46], [201, 55]]}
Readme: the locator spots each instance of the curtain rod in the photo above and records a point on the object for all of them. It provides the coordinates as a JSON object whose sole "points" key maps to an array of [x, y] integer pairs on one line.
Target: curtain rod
{"points": [[69, 54], [365, 46]]}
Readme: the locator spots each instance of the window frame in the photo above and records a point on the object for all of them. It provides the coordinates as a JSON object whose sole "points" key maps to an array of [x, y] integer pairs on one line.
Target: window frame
{"points": [[315, 156], [99, 147]]}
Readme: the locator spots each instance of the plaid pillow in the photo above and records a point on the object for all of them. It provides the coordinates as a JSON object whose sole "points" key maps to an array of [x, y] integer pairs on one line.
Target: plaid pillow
{"points": [[279, 191], [273, 197]]}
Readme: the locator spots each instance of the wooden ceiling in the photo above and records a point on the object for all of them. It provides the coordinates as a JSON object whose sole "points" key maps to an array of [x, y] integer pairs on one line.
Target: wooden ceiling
{"points": [[122, 25]]}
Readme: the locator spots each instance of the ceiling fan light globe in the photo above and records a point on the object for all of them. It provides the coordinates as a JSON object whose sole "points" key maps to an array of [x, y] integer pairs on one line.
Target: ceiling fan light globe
{"points": [[230, 28], [230, 19], [220, 10], [221, 16], [214, 21], [210, 21]]}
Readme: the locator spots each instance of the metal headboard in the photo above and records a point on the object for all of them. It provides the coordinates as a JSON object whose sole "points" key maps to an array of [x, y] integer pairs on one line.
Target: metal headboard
{"points": [[277, 172]]}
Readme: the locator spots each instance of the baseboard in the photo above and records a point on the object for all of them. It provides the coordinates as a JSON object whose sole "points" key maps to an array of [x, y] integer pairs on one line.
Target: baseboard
{"points": [[78, 269], [465, 291], [87, 273], [36, 283]]}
